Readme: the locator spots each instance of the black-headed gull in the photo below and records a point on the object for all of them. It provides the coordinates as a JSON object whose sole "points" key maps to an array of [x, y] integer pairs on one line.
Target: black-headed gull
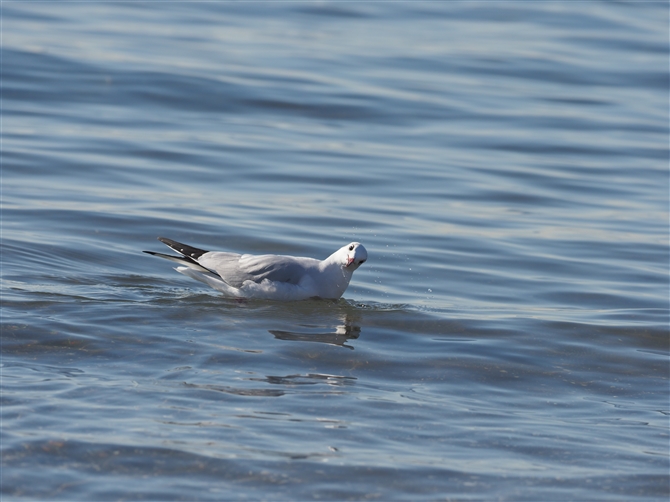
{"points": [[268, 276]]}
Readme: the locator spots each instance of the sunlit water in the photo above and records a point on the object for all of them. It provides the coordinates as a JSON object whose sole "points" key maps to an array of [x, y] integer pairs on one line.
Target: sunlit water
{"points": [[506, 166]]}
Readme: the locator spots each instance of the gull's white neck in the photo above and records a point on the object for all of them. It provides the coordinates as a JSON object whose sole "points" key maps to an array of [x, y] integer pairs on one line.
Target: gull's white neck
{"points": [[338, 276]]}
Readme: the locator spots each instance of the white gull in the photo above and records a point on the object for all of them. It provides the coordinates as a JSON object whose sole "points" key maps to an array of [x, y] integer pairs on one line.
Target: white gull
{"points": [[268, 276]]}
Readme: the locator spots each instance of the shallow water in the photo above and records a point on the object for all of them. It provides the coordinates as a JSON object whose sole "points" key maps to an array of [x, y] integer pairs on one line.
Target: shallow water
{"points": [[505, 165]]}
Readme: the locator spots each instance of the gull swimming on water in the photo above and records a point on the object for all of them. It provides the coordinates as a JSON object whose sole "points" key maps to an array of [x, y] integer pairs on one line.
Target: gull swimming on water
{"points": [[268, 276]]}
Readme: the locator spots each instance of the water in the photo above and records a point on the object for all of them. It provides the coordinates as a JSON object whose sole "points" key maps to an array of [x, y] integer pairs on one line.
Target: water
{"points": [[506, 166]]}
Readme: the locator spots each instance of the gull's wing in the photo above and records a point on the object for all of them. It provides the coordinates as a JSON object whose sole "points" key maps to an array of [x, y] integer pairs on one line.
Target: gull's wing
{"points": [[234, 269]]}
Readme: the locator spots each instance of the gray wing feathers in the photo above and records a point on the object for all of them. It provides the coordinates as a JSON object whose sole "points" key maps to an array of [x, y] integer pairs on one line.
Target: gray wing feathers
{"points": [[234, 269]]}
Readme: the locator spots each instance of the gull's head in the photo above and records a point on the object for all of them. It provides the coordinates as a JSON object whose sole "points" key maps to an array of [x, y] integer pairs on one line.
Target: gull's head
{"points": [[353, 255]]}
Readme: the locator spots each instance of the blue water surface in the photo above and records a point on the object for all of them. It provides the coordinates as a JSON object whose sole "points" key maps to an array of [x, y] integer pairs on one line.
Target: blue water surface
{"points": [[504, 163]]}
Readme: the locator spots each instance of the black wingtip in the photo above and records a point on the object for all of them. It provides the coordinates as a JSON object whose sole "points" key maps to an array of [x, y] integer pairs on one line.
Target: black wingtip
{"points": [[188, 256], [169, 242], [183, 249]]}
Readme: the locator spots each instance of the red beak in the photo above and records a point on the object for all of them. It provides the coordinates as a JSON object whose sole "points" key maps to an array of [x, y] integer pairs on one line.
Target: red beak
{"points": [[350, 260]]}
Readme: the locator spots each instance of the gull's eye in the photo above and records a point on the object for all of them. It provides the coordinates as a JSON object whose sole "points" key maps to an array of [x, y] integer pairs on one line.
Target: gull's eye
{"points": [[351, 248], [361, 262]]}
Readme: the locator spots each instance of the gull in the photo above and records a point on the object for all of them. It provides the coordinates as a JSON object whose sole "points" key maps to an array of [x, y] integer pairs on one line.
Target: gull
{"points": [[268, 276]]}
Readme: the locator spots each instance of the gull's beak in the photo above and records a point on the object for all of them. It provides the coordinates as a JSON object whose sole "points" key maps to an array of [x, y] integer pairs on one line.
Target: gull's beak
{"points": [[350, 260]]}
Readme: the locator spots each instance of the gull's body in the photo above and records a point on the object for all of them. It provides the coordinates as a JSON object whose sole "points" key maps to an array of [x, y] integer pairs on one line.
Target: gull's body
{"points": [[274, 277]]}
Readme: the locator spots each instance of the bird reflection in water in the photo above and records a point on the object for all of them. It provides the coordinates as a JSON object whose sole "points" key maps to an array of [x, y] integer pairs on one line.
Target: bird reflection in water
{"points": [[348, 330]]}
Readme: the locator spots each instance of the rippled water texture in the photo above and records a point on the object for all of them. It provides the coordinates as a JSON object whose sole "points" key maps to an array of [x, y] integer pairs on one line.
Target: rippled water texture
{"points": [[504, 163]]}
